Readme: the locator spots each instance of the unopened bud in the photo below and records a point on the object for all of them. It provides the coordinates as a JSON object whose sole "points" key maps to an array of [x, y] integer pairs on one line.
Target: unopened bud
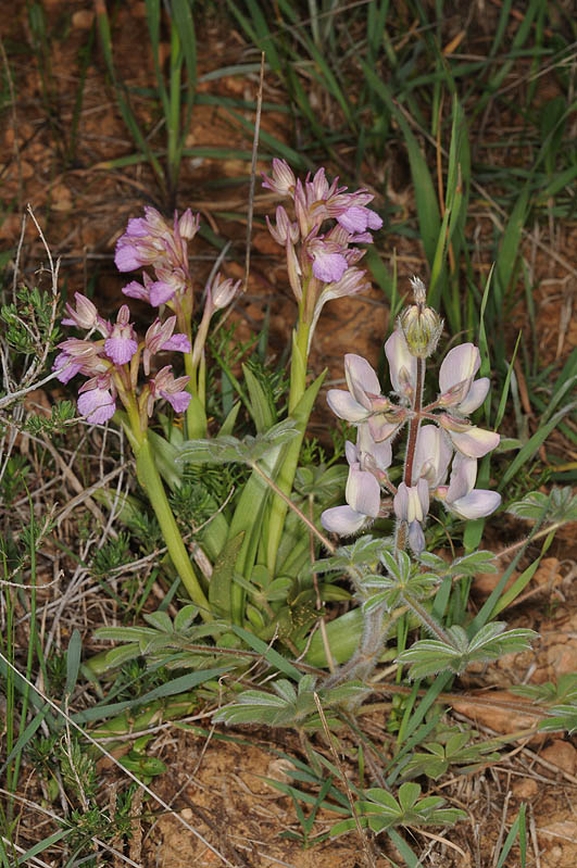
{"points": [[421, 325]]}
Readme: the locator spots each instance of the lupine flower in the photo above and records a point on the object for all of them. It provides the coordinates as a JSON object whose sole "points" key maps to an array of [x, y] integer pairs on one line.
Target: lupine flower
{"points": [[461, 497], [444, 441], [363, 496], [368, 464], [411, 505], [402, 365], [364, 402], [468, 439], [459, 389]]}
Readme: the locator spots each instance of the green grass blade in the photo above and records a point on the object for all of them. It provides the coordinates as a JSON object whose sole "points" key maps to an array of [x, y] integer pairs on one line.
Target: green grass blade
{"points": [[272, 657]]}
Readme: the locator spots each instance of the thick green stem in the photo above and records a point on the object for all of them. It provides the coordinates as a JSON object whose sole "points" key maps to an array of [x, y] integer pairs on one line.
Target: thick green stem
{"points": [[152, 483], [300, 411], [195, 419]]}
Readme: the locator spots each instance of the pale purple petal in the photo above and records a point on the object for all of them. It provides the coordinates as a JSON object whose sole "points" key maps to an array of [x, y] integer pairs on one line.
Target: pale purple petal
{"points": [[475, 396], [66, 367], [97, 405], [416, 537], [329, 267], [179, 401], [126, 256], [160, 292], [134, 289], [461, 363], [381, 452], [343, 520], [344, 406], [474, 442], [432, 455], [363, 492], [357, 219], [463, 477], [120, 348], [402, 365], [178, 343], [361, 379], [477, 504]]}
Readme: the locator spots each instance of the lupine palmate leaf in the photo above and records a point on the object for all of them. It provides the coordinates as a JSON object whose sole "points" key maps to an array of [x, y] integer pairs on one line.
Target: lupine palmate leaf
{"points": [[363, 552], [231, 450], [560, 505], [467, 565], [449, 748], [291, 705], [431, 656], [561, 718], [381, 810]]}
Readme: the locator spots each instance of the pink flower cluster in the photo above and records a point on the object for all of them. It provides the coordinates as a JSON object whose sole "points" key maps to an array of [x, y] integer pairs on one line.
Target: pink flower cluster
{"points": [[444, 454], [110, 355], [320, 237], [152, 242]]}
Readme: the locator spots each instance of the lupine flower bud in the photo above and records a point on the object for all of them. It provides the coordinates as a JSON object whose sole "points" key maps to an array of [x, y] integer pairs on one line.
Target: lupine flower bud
{"points": [[420, 324]]}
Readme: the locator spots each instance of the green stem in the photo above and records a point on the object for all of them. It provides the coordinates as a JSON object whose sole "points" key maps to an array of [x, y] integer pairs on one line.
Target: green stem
{"points": [[152, 483], [426, 618], [196, 424], [300, 412]]}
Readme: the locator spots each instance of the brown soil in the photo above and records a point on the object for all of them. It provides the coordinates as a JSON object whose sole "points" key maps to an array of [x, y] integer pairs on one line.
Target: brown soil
{"points": [[223, 809]]}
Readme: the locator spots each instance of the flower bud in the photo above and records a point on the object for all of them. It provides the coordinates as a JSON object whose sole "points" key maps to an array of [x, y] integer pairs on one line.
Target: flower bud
{"points": [[420, 324]]}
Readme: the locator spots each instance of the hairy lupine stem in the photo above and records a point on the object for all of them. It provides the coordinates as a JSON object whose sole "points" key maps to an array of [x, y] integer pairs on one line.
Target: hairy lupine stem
{"points": [[425, 618], [376, 626]]}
